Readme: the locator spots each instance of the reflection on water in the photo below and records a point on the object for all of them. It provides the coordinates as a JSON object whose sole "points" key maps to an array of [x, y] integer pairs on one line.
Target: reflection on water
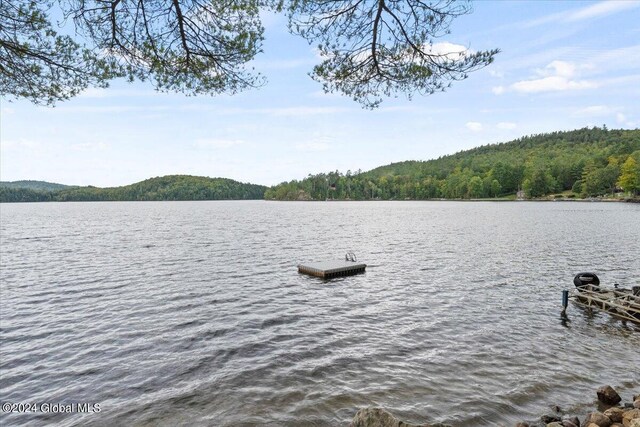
{"points": [[192, 313]]}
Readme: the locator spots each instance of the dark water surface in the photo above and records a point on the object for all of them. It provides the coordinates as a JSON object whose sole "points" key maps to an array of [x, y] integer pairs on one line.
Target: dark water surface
{"points": [[193, 313]]}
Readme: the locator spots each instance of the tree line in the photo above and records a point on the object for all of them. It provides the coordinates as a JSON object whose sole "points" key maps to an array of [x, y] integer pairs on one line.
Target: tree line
{"points": [[172, 187], [588, 162]]}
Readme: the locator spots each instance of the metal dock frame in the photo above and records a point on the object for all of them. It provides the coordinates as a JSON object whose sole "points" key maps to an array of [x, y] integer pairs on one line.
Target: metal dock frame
{"points": [[623, 305]]}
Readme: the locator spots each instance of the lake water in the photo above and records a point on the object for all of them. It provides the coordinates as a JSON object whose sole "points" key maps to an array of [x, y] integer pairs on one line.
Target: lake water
{"points": [[193, 313]]}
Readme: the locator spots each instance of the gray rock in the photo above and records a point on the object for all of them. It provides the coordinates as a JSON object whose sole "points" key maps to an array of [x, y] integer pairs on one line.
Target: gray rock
{"points": [[599, 419], [522, 424], [567, 423], [608, 396], [550, 418], [378, 417], [574, 420]]}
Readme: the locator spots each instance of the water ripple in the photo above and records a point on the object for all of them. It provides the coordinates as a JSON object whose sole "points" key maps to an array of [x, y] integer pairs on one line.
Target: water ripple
{"points": [[193, 314]]}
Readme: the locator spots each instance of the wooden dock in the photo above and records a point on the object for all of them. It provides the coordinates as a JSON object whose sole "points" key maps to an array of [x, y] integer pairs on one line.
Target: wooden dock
{"points": [[331, 269]]}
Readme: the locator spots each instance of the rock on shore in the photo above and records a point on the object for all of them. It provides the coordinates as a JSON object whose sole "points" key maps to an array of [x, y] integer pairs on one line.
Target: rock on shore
{"points": [[627, 415], [378, 417], [608, 395]]}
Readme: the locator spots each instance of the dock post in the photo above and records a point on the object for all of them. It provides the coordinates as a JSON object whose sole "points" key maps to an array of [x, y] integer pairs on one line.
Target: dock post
{"points": [[565, 302]]}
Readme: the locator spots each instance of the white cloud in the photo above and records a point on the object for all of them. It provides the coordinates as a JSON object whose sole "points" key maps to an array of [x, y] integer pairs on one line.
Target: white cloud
{"points": [[506, 125], [551, 84], [602, 9], [439, 52], [448, 50], [621, 118], [555, 17], [597, 10], [217, 143], [568, 76], [474, 126], [560, 68], [557, 76]]}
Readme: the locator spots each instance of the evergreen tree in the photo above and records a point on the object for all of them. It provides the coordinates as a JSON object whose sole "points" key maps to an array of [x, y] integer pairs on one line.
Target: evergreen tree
{"points": [[370, 49]]}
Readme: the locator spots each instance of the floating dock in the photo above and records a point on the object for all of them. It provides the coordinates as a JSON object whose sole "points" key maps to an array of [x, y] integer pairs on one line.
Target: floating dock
{"points": [[331, 269]]}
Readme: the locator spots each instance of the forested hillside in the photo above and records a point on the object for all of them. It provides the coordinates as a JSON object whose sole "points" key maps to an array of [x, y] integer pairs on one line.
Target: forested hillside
{"points": [[172, 187], [33, 185], [588, 162]]}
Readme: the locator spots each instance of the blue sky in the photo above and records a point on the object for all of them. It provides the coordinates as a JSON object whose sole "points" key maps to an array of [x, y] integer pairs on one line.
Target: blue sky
{"points": [[564, 65]]}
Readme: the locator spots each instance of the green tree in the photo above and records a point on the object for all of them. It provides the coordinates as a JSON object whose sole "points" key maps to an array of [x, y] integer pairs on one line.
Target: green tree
{"points": [[38, 64], [455, 186], [495, 188], [588, 170], [475, 188], [577, 187], [379, 48], [526, 187], [429, 188], [540, 183], [507, 175], [370, 49], [630, 176], [597, 181]]}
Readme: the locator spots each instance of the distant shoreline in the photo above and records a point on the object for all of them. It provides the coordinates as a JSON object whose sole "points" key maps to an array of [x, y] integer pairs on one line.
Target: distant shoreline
{"points": [[573, 200], [505, 200]]}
